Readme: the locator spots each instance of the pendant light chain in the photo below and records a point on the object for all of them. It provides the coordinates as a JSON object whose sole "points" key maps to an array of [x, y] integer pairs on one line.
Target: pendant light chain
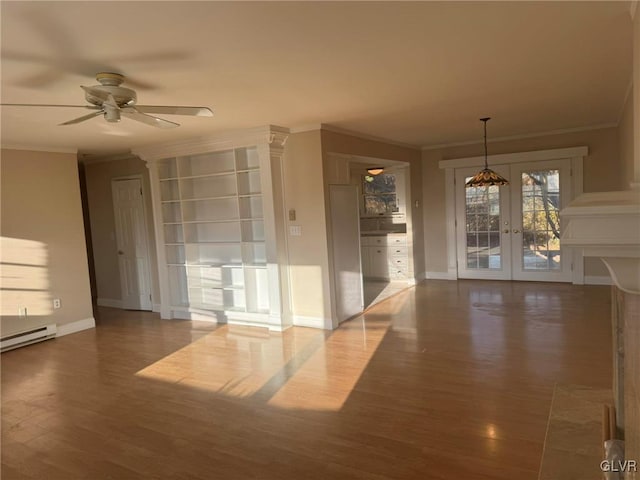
{"points": [[486, 177]]}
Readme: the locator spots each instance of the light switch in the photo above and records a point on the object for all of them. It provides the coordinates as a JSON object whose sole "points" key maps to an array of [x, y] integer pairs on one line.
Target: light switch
{"points": [[295, 230], [292, 215]]}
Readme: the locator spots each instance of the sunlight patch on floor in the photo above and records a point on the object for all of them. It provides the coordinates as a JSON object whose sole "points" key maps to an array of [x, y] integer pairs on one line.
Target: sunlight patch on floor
{"points": [[287, 370]]}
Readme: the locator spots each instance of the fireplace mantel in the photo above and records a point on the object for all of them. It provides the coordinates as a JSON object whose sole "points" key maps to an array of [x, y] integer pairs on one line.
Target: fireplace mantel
{"points": [[607, 225]]}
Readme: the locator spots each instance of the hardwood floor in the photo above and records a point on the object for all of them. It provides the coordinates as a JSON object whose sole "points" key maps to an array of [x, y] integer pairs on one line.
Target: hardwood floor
{"points": [[447, 380]]}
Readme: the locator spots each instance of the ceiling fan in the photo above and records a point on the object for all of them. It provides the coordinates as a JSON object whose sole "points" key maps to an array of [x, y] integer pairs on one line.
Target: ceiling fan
{"points": [[113, 102]]}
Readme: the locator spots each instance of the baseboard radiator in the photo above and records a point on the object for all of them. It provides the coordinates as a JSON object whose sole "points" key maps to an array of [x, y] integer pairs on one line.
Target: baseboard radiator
{"points": [[21, 339]]}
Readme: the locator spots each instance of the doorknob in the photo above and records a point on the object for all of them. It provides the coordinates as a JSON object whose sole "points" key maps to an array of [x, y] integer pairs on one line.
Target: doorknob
{"points": [[506, 230], [120, 252], [516, 230]]}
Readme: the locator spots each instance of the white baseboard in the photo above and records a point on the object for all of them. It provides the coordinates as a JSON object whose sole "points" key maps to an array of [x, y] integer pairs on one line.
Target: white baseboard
{"points": [[597, 280], [155, 308], [73, 327], [440, 276], [312, 322], [109, 302], [421, 276]]}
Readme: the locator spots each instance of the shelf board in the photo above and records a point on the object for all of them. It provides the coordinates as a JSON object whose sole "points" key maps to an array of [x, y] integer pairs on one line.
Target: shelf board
{"points": [[204, 175], [221, 197], [249, 195], [251, 218], [252, 241], [176, 243], [176, 265], [213, 243], [172, 223], [169, 201], [255, 265], [168, 179], [247, 170], [212, 221]]}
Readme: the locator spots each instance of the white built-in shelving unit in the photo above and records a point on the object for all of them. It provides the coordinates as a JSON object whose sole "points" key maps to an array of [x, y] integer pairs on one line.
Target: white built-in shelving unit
{"points": [[219, 233]]}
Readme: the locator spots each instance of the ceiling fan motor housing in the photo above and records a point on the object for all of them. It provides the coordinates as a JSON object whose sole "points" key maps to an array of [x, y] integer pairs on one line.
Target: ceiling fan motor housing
{"points": [[123, 96]]}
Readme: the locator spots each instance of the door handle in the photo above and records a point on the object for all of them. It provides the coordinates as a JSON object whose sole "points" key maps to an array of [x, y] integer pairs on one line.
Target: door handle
{"points": [[120, 252], [515, 230], [506, 230]]}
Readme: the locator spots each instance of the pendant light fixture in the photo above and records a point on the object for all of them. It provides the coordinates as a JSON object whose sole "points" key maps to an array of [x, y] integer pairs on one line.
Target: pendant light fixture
{"points": [[375, 170], [486, 177]]}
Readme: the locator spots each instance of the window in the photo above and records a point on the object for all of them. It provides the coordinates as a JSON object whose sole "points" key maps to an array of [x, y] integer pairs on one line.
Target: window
{"points": [[380, 194]]}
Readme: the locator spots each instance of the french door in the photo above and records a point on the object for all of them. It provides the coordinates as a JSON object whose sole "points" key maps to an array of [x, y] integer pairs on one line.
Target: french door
{"points": [[513, 232]]}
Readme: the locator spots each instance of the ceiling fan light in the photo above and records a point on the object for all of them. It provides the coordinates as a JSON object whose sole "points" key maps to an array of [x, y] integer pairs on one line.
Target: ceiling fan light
{"points": [[375, 170]]}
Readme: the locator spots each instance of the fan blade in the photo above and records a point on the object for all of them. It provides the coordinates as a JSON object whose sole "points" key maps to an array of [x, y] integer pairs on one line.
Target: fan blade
{"points": [[133, 114], [90, 107], [175, 110], [83, 118]]}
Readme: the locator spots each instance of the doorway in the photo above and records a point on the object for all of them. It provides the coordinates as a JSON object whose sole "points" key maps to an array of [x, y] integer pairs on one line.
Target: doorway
{"points": [[132, 243], [513, 232], [385, 230]]}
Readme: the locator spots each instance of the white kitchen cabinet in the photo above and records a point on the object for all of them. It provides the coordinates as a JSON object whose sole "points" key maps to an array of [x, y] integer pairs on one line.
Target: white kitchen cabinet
{"points": [[385, 256]]}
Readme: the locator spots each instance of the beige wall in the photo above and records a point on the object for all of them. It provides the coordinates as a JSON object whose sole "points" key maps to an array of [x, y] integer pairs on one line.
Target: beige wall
{"points": [[43, 249], [603, 171], [308, 257], [98, 177], [625, 141]]}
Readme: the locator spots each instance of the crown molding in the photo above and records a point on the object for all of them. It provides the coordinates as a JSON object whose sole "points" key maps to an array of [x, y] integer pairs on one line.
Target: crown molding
{"points": [[518, 157], [364, 136], [309, 127], [633, 8], [519, 137], [40, 149], [90, 159], [271, 135]]}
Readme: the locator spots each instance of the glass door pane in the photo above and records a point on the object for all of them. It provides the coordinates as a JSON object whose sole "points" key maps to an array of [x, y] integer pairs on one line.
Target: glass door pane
{"points": [[483, 247], [541, 220], [540, 191], [482, 219]]}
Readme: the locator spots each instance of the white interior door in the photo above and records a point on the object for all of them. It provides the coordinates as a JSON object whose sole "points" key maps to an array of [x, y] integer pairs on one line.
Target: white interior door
{"points": [[347, 271], [131, 238], [513, 232], [482, 228]]}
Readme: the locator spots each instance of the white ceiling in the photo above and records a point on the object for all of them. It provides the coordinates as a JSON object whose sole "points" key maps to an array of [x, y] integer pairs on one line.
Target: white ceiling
{"points": [[420, 73]]}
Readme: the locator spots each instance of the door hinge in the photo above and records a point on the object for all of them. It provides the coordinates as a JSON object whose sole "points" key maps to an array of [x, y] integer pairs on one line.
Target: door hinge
{"points": [[150, 297], [141, 191], [454, 181], [455, 223], [572, 266]]}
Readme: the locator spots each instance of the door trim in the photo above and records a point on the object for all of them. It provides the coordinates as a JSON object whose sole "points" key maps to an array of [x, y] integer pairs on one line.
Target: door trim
{"points": [[146, 229], [576, 154]]}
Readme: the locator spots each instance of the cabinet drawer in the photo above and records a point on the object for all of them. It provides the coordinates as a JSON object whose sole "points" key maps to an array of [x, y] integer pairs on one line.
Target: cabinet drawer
{"points": [[384, 240], [398, 274], [397, 262], [398, 251]]}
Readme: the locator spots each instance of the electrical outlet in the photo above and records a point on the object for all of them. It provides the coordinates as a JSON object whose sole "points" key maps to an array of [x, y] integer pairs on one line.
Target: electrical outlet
{"points": [[295, 230], [22, 312], [56, 303]]}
